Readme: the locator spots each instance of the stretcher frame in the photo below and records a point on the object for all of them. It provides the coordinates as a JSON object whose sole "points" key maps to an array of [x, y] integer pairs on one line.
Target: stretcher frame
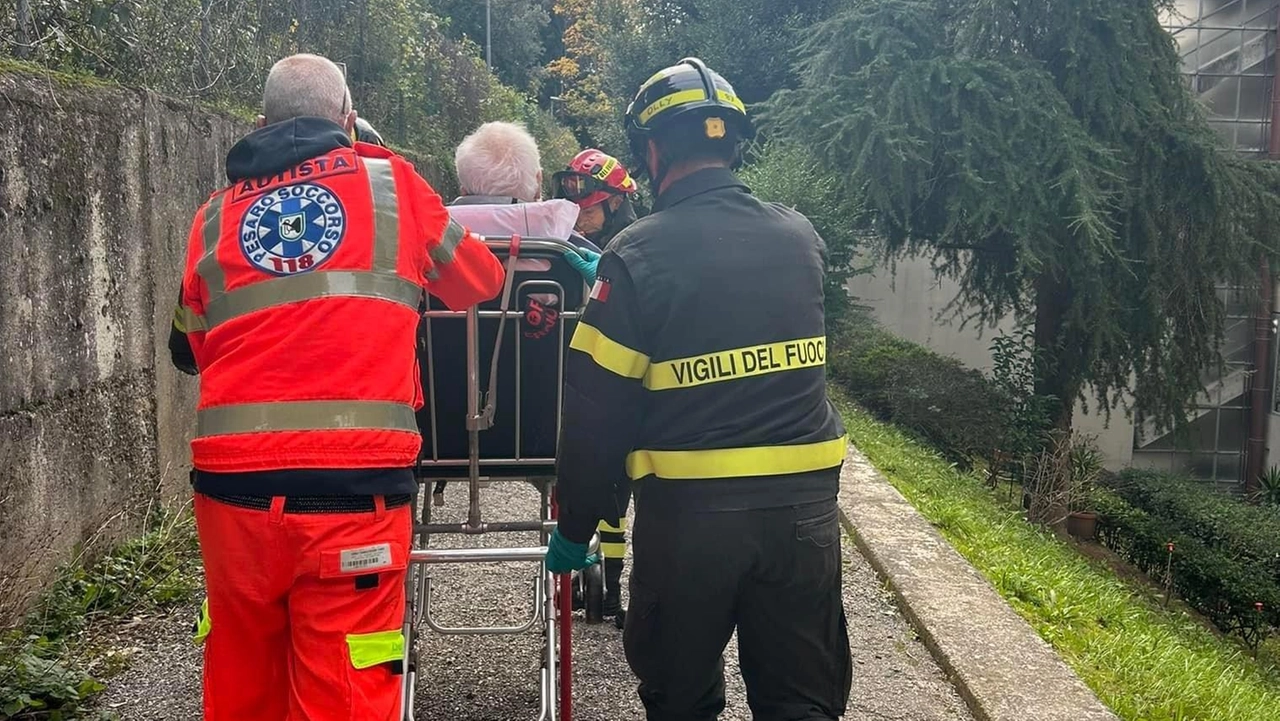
{"points": [[552, 598]]}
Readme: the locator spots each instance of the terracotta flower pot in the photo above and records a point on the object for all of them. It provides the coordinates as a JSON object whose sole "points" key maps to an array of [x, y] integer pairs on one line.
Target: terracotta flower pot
{"points": [[1083, 525]]}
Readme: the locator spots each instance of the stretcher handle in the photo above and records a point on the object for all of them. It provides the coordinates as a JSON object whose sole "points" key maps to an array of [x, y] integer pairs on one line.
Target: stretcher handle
{"points": [[484, 420]]}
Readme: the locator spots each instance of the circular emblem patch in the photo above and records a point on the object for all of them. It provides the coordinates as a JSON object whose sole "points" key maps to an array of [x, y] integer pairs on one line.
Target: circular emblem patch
{"points": [[293, 229]]}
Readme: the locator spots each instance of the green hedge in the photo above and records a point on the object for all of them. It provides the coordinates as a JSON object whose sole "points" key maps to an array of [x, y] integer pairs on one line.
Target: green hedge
{"points": [[1226, 553], [954, 409]]}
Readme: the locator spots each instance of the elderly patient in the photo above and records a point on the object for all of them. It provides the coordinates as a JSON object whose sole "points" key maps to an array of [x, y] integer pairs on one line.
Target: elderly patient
{"points": [[499, 172]]}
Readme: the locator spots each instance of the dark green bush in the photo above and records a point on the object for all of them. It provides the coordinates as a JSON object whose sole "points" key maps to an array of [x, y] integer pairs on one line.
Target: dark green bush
{"points": [[953, 408], [1226, 553]]}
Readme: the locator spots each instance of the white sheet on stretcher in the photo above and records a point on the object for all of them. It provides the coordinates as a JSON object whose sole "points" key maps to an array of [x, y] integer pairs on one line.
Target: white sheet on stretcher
{"points": [[543, 219]]}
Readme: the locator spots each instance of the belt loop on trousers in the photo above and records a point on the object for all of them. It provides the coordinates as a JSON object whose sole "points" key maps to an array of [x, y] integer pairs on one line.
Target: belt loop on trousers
{"points": [[276, 514], [379, 507]]}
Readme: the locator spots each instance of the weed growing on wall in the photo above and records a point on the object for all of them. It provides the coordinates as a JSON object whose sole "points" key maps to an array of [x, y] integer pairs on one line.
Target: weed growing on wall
{"points": [[49, 663]]}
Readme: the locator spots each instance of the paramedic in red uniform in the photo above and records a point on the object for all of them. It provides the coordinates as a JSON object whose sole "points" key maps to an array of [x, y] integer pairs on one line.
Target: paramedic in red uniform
{"points": [[298, 310]]}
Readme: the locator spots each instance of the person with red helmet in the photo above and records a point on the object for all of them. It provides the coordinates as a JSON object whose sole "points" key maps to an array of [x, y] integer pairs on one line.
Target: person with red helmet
{"points": [[602, 188]]}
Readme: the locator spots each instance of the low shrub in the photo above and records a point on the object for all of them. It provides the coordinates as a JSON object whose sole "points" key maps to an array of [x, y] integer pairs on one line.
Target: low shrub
{"points": [[953, 408], [45, 663], [1225, 558]]}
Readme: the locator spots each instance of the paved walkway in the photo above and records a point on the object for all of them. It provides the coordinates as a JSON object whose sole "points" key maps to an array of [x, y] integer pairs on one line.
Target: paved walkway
{"points": [[495, 679]]}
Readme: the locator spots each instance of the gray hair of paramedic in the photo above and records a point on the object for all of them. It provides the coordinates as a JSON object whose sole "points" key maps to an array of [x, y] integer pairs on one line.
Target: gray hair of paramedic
{"points": [[307, 85], [500, 159]]}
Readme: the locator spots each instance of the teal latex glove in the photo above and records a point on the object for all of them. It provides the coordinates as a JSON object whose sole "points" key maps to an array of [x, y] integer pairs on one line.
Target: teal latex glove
{"points": [[584, 261], [564, 555]]}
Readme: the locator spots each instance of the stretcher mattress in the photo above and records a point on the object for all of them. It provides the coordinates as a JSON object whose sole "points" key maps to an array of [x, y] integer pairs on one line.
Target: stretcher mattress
{"points": [[534, 346]]}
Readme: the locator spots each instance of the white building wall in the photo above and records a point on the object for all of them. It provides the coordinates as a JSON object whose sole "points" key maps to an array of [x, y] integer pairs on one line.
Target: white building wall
{"points": [[911, 301]]}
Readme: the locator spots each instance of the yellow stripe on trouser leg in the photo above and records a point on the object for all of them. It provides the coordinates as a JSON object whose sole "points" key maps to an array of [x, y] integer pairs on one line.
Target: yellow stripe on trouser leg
{"points": [[613, 539], [605, 527], [613, 550], [371, 649], [203, 625]]}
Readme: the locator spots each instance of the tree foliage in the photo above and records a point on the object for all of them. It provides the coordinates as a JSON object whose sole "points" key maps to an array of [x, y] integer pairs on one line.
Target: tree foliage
{"points": [[422, 89], [1050, 158], [516, 30], [607, 48]]}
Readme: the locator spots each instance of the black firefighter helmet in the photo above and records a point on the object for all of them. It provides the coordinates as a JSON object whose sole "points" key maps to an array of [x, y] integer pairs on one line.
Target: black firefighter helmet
{"points": [[366, 134], [691, 93]]}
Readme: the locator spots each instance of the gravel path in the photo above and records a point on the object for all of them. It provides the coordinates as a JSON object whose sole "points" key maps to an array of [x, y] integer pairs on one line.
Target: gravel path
{"points": [[495, 678]]}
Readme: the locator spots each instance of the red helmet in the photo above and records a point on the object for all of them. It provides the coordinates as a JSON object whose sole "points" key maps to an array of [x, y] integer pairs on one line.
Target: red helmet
{"points": [[592, 177]]}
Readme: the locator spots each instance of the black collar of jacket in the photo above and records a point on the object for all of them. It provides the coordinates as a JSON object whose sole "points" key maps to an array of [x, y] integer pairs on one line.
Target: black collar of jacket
{"points": [[277, 147], [484, 200], [696, 183]]}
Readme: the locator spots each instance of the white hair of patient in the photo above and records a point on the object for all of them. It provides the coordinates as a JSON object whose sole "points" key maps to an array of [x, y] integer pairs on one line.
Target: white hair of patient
{"points": [[500, 159]]}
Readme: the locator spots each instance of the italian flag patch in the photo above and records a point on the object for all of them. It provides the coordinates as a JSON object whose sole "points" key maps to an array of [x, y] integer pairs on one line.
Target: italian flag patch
{"points": [[600, 291]]}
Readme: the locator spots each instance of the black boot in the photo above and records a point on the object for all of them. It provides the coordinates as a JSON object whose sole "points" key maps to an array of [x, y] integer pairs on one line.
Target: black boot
{"points": [[613, 587]]}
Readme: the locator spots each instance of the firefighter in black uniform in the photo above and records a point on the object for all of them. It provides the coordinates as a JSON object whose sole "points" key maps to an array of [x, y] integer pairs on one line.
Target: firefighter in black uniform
{"points": [[698, 367]]}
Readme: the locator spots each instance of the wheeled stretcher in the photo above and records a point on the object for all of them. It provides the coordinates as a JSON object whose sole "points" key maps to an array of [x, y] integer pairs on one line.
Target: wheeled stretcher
{"points": [[493, 379]]}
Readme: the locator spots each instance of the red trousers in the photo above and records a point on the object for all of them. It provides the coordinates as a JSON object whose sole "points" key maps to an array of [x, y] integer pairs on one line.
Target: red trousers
{"points": [[304, 612]]}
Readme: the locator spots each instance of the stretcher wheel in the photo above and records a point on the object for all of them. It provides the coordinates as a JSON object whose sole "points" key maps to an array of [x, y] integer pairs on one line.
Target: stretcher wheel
{"points": [[591, 579]]}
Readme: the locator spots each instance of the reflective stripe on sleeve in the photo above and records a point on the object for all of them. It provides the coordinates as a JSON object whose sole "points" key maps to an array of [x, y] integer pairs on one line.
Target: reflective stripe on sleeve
{"points": [[608, 353], [737, 462], [442, 253], [305, 416], [187, 321]]}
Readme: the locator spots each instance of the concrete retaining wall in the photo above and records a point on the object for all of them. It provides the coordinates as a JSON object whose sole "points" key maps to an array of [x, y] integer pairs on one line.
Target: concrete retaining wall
{"points": [[98, 186]]}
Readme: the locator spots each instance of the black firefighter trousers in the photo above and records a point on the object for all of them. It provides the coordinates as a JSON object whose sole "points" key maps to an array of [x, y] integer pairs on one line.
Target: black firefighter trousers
{"points": [[775, 575]]}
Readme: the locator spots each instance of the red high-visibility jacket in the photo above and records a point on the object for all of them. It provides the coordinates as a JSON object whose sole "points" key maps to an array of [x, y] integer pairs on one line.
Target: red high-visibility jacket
{"points": [[300, 300]]}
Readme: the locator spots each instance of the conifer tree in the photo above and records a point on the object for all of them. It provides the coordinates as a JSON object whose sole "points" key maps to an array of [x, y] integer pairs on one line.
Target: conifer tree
{"points": [[1050, 158]]}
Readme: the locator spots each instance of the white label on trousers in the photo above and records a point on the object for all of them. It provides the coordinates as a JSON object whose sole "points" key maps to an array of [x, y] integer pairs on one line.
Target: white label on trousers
{"points": [[366, 558]]}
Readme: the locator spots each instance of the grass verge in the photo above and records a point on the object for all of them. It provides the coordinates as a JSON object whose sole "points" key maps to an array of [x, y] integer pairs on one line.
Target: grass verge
{"points": [[55, 659], [1146, 663]]}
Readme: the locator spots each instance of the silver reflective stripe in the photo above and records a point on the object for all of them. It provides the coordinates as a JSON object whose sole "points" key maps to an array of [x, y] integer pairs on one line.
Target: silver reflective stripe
{"points": [[187, 321], [305, 416], [208, 267], [386, 214], [442, 254], [320, 284]]}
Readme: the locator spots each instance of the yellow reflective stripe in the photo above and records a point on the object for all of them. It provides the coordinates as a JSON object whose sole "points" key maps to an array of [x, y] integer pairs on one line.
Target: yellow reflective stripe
{"points": [[203, 625], [187, 321], [670, 101], [731, 99], [386, 214], [208, 266], [371, 649], [608, 353], [321, 284], [305, 416], [442, 254], [613, 550], [605, 527], [727, 365], [687, 96], [737, 462]]}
